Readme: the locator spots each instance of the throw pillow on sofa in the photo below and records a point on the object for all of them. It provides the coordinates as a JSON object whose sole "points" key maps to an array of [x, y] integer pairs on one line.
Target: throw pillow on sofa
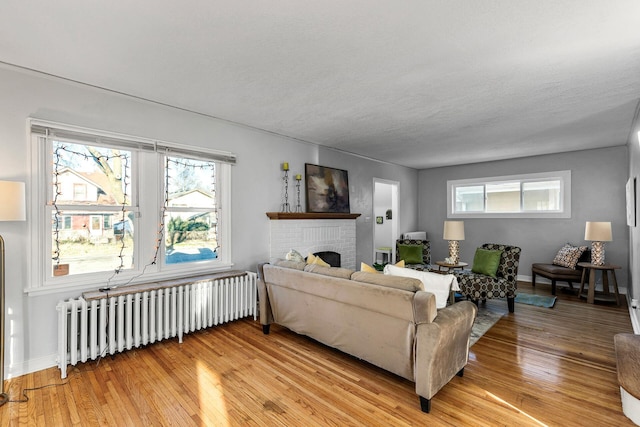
{"points": [[486, 261], [294, 255], [369, 269], [438, 284], [569, 255], [312, 259], [411, 254]]}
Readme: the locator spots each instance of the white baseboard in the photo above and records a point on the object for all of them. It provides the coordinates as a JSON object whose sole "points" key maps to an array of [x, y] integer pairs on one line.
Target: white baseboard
{"points": [[621, 289], [30, 366]]}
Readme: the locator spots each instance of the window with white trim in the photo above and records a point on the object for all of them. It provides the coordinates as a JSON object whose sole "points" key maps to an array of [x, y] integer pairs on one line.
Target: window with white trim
{"points": [[190, 215], [538, 195], [113, 210]]}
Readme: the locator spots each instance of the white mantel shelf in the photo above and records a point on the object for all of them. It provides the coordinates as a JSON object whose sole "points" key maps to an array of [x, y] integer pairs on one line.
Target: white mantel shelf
{"points": [[311, 215]]}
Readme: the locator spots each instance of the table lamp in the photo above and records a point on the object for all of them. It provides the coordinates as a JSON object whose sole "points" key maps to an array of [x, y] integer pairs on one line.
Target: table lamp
{"points": [[598, 233], [12, 208], [453, 232]]}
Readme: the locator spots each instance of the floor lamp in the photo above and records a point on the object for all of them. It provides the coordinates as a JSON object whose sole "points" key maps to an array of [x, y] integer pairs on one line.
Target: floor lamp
{"points": [[12, 208]]}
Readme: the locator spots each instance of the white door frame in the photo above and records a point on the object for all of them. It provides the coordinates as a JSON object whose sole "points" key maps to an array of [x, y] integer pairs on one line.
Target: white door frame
{"points": [[395, 222]]}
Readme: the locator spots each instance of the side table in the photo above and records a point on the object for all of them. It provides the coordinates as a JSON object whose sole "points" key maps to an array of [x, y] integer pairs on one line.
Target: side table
{"points": [[385, 251], [591, 292], [442, 264]]}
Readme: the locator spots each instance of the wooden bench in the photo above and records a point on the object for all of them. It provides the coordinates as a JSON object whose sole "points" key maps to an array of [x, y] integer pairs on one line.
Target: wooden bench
{"points": [[555, 273], [628, 364]]}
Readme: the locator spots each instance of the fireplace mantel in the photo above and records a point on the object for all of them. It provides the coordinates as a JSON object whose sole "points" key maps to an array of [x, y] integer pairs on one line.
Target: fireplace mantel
{"points": [[311, 215]]}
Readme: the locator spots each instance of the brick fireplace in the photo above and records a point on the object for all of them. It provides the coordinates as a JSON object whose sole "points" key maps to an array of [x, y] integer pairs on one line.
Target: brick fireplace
{"points": [[313, 232]]}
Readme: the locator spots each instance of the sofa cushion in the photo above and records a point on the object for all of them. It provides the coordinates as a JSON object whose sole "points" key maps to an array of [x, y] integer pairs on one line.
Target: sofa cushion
{"points": [[569, 255], [411, 254], [486, 261], [343, 273], [297, 265], [404, 283], [438, 284]]}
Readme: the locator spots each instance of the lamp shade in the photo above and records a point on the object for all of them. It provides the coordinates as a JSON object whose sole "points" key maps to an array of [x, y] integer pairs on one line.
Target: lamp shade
{"points": [[453, 230], [12, 204], [598, 231]]}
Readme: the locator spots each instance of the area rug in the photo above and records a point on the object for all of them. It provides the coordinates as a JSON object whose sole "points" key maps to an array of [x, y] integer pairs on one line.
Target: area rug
{"points": [[485, 319], [537, 300]]}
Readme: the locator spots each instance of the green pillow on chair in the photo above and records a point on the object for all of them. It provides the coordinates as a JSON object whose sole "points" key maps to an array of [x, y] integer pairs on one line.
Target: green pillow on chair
{"points": [[411, 254], [486, 262]]}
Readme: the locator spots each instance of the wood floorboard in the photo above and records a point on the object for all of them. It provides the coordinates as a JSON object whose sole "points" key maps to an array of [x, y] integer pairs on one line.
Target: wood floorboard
{"points": [[537, 366]]}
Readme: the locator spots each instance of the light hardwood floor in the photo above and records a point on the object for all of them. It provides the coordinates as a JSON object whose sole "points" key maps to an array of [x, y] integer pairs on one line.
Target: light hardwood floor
{"points": [[537, 366]]}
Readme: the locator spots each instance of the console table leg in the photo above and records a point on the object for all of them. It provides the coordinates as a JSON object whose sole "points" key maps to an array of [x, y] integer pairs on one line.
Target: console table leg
{"points": [[605, 282], [615, 287], [584, 272]]}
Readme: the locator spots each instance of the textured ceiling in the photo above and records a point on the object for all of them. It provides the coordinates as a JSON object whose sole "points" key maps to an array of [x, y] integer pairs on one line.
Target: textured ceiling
{"points": [[416, 83]]}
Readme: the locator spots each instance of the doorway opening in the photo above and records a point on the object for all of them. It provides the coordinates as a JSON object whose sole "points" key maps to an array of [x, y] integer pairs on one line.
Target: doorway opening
{"points": [[386, 219]]}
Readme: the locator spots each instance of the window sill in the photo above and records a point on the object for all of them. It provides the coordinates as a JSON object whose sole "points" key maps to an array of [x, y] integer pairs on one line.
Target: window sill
{"points": [[518, 215], [147, 278]]}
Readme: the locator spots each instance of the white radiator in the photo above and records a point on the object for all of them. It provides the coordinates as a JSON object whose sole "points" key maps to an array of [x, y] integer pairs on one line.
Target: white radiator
{"points": [[99, 324]]}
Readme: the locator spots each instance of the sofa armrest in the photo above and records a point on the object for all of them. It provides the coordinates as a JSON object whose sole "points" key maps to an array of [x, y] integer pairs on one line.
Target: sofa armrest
{"points": [[442, 347], [264, 306], [425, 309]]}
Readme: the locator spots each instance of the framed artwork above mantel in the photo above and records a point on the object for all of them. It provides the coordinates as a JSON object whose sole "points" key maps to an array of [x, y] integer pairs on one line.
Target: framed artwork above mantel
{"points": [[327, 189]]}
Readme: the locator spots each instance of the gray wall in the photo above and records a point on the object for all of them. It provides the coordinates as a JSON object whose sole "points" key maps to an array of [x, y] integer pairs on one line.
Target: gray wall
{"points": [[598, 180], [361, 174], [256, 184]]}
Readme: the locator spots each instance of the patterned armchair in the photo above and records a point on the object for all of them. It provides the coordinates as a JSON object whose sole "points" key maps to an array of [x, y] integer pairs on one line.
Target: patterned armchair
{"points": [[479, 286], [426, 252]]}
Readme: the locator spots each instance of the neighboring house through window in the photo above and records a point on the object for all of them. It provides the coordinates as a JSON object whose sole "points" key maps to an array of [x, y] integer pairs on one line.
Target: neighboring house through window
{"points": [[99, 228]]}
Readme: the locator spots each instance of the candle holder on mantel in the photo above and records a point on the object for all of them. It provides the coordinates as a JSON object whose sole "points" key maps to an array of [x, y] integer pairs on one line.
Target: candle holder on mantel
{"points": [[298, 179], [285, 206]]}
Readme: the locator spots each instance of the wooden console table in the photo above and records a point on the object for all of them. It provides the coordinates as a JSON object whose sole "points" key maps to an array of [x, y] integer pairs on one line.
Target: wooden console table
{"points": [[605, 295]]}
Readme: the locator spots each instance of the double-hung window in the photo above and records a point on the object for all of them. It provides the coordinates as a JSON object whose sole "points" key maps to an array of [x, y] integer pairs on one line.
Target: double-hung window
{"points": [[538, 195], [112, 210]]}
